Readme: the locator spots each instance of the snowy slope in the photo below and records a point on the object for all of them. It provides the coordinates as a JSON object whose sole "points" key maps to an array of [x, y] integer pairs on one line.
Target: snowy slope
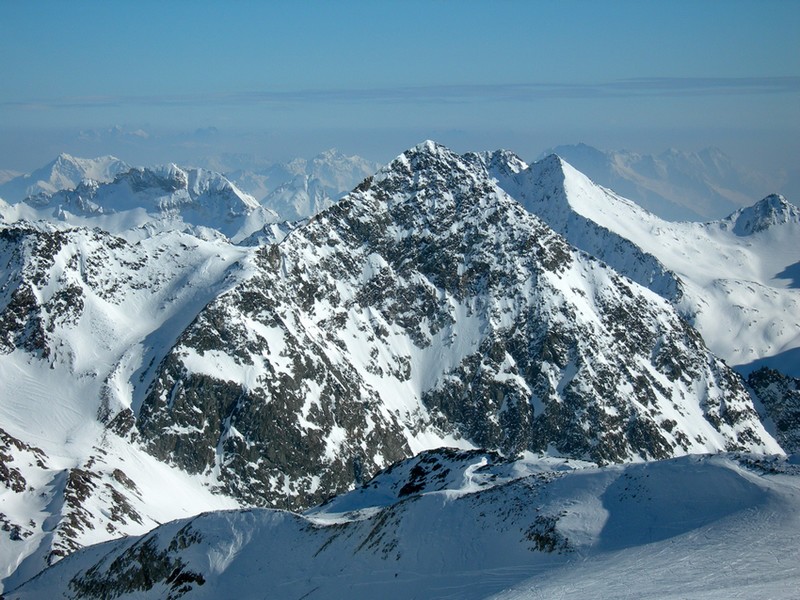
{"points": [[84, 316], [675, 185], [737, 276], [64, 173], [471, 525]]}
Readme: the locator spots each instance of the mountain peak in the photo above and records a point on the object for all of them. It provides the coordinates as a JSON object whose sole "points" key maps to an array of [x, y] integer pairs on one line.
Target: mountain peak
{"points": [[428, 148], [64, 157], [764, 214]]}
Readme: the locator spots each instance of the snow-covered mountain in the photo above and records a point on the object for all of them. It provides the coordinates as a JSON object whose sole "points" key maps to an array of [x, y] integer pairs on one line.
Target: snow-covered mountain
{"points": [[473, 525], [151, 199], [429, 307], [159, 373], [83, 315], [64, 173], [675, 185], [735, 279]]}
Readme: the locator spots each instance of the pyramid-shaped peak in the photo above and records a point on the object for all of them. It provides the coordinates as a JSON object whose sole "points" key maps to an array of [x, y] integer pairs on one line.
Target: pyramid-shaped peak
{"points": [[764, 214]]}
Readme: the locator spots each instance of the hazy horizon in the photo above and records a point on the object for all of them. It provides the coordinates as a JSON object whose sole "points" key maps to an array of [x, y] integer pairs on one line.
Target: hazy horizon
{"points": [[154, 82]]}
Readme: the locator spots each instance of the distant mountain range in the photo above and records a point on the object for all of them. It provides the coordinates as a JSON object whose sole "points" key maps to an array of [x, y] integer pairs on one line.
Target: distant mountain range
{"points": [[299, 188], [169, 347]]}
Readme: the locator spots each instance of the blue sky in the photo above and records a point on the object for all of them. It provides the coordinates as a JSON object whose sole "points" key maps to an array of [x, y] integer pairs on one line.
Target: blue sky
{"points": [[157, 81]]}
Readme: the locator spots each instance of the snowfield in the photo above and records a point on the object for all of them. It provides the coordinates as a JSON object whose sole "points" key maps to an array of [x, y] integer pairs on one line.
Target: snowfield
{"points": [[449, 524]]}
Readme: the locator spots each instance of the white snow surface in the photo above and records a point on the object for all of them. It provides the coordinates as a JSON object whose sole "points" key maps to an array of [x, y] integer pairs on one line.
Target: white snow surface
{"points": [[100, 367], [472, 526], [740, 275]]}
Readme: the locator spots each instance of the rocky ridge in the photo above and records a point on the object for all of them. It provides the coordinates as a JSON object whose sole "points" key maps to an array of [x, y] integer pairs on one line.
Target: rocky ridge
{"points": [[424, 306]]}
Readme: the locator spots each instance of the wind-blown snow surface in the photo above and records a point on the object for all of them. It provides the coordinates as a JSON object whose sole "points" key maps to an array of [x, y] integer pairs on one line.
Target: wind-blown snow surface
{"points": [[472, 525], [737, 277]]}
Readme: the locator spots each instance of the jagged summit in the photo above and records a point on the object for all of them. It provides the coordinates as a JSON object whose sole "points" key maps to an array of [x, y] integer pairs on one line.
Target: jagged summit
{"points": [[428, 308], [159, 198], [771, 211]]}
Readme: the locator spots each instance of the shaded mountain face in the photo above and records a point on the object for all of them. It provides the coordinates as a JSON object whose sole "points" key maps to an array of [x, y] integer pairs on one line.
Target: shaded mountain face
{"points": [[429, 306], [780, 396]]}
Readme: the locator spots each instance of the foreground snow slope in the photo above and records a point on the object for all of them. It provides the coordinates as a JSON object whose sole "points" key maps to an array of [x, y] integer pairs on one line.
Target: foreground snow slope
{"points": [[451, 524], [737, 277]]}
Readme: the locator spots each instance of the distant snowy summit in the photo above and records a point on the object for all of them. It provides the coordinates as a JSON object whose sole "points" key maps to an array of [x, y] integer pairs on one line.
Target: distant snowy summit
{"points": [[64, 173], [675, 185], [772, 211], [292, 190], [139, 201]]}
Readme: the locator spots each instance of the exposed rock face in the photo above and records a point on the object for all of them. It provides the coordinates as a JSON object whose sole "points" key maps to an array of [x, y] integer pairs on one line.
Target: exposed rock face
{"points": [[428, 305], [780, 395]]}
